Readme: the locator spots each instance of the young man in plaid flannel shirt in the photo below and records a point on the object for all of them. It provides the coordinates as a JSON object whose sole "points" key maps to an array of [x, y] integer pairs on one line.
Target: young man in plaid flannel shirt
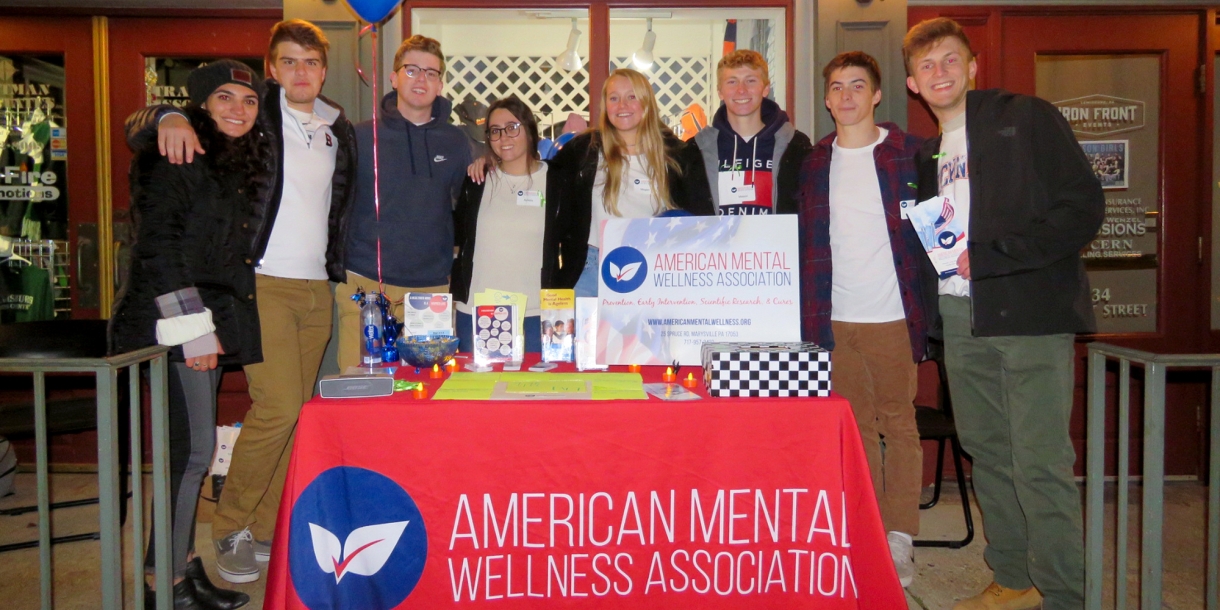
{"points": [[870, 309]]}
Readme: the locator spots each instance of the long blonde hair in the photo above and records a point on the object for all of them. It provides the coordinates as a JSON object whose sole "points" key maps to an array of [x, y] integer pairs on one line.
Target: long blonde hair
{"points": [[649, 140]]}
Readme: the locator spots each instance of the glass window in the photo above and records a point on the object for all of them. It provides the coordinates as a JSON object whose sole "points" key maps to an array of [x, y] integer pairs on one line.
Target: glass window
{"points": [[686, 46], [33, 148], [165, 77], [494, 53]]}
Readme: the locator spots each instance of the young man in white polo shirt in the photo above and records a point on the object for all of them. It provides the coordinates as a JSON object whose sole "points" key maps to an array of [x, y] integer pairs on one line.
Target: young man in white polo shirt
{"points": [[300, 247], [861, 287]]}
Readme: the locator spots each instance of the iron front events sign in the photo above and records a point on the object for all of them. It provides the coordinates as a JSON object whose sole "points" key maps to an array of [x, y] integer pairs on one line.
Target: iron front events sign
{"points": [[667, 285]]}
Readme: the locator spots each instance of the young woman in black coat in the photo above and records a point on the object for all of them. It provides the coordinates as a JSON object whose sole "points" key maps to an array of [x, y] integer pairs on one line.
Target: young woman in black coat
{"points": [[506, 218], [191, 286], [626, 168]]}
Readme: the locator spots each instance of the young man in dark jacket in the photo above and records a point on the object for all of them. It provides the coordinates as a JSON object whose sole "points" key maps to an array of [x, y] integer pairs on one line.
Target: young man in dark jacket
{"points": [[422, 161], [298, 249], [751, 153], [1010, 164], [870, 310]]}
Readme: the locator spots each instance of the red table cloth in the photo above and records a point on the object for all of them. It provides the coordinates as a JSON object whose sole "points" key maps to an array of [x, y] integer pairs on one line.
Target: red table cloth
{"points": [[399, 502]]}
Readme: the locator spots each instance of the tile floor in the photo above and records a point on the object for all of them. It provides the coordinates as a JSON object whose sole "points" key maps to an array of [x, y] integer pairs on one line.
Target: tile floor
{"points": [[945, 575]]}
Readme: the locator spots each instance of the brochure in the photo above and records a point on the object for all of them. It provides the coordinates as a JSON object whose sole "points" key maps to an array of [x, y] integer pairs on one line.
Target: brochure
{"points": [[586, 335], [941, 231], [426, 315], [558, 325], [495, 334]]}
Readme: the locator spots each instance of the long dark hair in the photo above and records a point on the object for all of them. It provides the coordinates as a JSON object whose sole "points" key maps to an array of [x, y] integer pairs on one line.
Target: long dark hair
{"points": [[247, 156], [524, 115]]}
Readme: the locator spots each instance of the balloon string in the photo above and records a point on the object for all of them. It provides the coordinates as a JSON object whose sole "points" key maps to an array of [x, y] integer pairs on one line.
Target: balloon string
{"points": [[376, 176]]}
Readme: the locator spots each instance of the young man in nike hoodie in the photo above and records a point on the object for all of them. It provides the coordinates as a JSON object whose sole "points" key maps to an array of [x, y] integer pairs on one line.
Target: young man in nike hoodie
{"points": [[422, 161], [751, 153]]}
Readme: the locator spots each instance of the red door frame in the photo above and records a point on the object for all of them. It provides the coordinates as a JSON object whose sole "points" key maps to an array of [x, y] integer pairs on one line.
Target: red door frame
{"points": [[73, 37], [599, 29]]}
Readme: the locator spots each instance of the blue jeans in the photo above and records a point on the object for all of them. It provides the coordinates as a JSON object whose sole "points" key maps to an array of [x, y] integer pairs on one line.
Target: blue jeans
{"points": [[586, 286], [465, 333]]}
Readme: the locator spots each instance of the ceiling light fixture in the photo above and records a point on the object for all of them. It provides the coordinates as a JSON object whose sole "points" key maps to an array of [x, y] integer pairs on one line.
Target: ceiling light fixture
{"points": [[570, 60], [643, 58]]}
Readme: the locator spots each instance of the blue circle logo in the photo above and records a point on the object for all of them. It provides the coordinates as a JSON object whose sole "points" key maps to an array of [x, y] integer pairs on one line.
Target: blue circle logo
{"points": [[947, 240], [357, 540], [624, 269]]}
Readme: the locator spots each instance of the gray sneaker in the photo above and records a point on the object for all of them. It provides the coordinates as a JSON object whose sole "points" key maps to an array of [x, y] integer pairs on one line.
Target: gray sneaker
{"points": [[235, 557], [262, 551]]}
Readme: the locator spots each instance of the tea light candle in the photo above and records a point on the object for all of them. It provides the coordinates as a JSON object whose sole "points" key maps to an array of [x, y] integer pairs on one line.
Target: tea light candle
{"points": [[452, 365], [669, 376], [689, 381], [420, 391], [634, 368], [436, 371]]}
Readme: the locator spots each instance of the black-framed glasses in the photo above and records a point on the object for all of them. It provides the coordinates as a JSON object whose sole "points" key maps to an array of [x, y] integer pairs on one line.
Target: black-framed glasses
{"points": [[511, 130], [413, 71]]}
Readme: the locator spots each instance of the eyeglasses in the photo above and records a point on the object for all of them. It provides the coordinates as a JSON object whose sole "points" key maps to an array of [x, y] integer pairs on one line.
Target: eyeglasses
{"points": [[413, 71], [511, 130]]}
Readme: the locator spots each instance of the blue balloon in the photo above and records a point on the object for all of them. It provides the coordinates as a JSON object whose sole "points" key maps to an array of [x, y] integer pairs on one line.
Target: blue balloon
{"points": [[374, 11]]}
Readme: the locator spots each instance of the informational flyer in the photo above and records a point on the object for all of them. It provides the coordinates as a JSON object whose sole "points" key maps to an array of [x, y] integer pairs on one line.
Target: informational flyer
{"points": [[941, 231], [667, 285]]}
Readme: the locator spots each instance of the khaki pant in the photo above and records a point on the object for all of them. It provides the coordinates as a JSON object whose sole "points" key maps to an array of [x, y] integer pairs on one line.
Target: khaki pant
{"points": [[295, 316], [349, 313], [871, 367]]}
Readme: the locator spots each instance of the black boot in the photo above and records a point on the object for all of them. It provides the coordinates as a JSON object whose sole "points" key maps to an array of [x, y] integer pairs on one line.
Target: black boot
{"points": [[185, 597], [205, 591]]}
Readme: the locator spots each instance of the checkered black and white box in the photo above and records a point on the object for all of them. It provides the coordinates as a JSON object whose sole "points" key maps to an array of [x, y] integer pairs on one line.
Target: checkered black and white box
{"points": [[766, 369]]}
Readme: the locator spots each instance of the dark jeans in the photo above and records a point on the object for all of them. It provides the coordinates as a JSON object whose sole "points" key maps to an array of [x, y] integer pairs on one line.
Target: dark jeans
{"points": [[192, 440]]}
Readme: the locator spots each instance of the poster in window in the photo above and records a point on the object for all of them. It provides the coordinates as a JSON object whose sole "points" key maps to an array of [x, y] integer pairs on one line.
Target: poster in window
{"points": [[1110, 161]]}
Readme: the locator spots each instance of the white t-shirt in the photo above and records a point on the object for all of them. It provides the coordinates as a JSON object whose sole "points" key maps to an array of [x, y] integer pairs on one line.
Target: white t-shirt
{"points": [[508, 237], [635, 198], [297, 246], [953, 178], [864, 286]]}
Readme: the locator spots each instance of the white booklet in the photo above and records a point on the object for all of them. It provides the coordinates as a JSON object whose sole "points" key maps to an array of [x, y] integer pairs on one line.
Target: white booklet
{"points": [[941, 231]]}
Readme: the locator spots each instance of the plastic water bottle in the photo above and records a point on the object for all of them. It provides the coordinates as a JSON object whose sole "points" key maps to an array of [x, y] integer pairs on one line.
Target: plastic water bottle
{"points": [[371, 339]]}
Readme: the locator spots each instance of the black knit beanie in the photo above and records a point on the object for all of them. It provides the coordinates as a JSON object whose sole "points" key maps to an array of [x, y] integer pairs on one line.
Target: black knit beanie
{"points": [[206, 79]]}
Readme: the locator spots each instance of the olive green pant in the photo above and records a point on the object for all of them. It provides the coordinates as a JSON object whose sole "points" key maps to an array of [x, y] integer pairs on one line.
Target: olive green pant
{"points": [[1012, 401], [295, 316]]}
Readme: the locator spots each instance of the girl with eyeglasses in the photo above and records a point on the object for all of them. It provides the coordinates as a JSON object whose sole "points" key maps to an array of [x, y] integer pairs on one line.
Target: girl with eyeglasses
{"points": [[505, 216], [625, 168]]}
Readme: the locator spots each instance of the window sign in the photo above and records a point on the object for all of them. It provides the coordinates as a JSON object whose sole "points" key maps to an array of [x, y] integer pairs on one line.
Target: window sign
{"points": [[1112, 103], [33, 148]]}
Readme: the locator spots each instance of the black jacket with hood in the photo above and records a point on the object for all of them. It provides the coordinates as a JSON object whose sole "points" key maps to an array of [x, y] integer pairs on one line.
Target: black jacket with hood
{"points": [[789, 146], [142, 129], [569, 203], [1034, 204], [420, 169]]}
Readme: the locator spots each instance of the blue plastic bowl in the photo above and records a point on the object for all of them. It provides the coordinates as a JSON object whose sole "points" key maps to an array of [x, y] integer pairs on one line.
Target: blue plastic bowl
{"points": [[425, 353]]}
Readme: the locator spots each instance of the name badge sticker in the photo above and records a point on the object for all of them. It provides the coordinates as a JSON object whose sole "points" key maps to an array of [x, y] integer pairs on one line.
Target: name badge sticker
{"points": [[641, 186], [531, 199]]}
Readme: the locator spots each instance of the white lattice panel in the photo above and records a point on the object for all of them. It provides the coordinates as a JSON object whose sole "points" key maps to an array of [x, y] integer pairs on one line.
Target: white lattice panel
{"points": [[678, 82], [548, 91]]}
